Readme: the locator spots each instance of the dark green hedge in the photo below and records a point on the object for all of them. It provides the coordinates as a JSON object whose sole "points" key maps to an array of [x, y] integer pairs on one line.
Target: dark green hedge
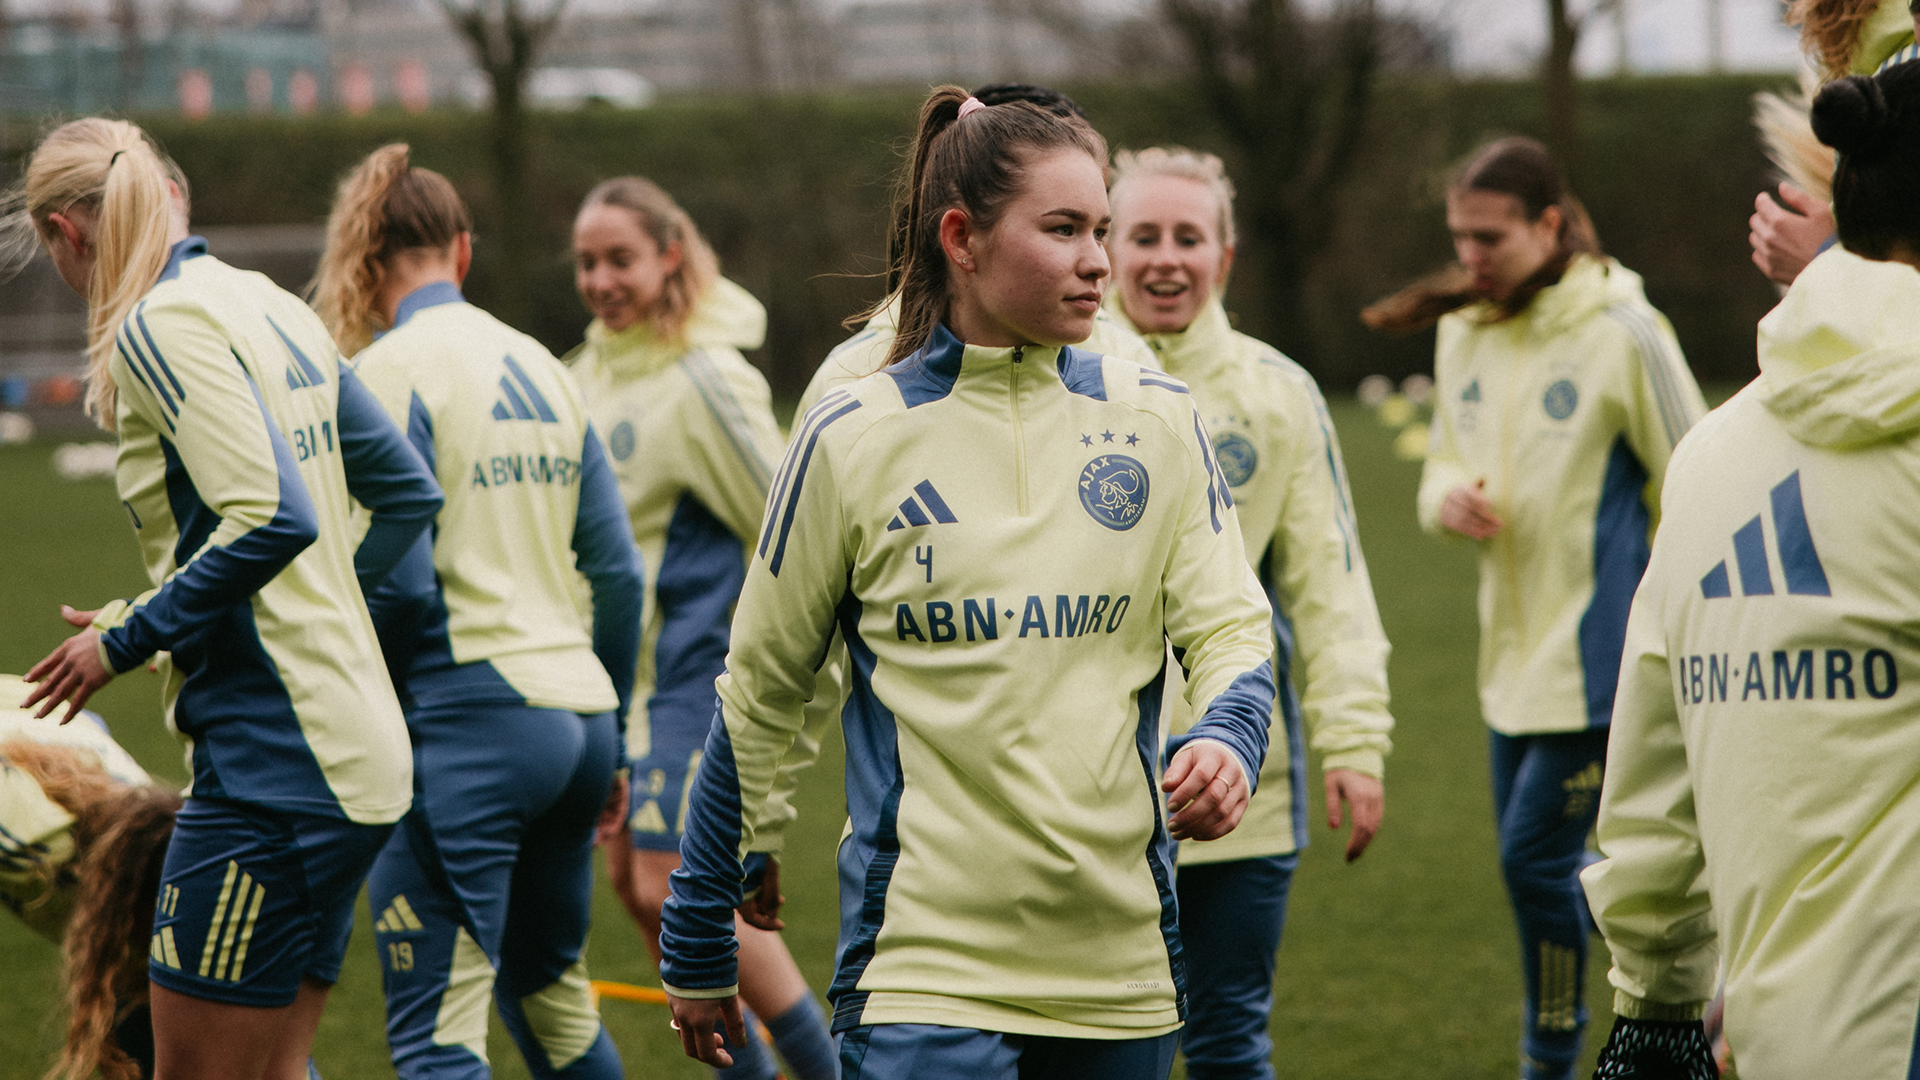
{"points": [[793, 193]]}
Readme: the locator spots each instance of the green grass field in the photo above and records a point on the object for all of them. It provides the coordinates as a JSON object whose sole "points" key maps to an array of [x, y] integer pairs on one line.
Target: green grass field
{"points": [[1402, 965]]}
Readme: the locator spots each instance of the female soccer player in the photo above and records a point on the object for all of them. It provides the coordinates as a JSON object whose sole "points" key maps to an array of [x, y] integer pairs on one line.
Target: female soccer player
{"points": [[83, 831], [689, 425], [514, 706], [1008, 531], [1842, 37], [1172, 245], [1559, 393], [1759, 815], [242, 442]]}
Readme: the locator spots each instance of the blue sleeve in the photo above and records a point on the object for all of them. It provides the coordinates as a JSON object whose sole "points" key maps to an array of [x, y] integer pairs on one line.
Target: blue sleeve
{"points": [[221, 575], [387, 476], [1238, 718], [604, 553], [696, 923]]}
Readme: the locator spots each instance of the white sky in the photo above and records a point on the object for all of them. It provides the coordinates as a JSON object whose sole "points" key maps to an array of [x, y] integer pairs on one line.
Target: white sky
{"points": [[1488, 35]]}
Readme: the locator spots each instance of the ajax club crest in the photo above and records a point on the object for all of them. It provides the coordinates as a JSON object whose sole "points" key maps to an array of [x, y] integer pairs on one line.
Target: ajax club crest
{"points": [[1113, 488], [1236, 456], [620, 441]]}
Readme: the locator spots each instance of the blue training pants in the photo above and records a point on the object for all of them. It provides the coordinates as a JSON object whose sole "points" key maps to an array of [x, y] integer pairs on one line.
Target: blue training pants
{"points": [[1546, 797], [485, 890], [936, 1052], [1231, 914]]}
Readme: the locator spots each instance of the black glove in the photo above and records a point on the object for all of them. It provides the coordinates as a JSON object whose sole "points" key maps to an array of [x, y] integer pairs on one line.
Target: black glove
{"points": [[1657, 1050]]}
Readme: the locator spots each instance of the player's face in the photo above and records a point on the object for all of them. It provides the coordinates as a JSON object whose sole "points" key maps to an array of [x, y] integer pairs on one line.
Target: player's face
{"points": [[1168, 257], [1040, 272], [1495, 241], [617, 267]]}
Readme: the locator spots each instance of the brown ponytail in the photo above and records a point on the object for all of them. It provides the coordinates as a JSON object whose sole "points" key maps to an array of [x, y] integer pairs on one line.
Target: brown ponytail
{"points": [[111, 173], [120, 834], [974, 165], [1525, 170], [1830, 31], [384, 206]]}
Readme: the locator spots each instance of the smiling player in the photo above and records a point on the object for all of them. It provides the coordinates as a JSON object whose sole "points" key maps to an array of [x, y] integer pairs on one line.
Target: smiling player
{"points": [[1172, 246], [1559, 394]]}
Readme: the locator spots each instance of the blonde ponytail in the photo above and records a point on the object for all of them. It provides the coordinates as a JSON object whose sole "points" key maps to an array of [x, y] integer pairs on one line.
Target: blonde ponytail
{"points": [[110, 169], [384, 206]]}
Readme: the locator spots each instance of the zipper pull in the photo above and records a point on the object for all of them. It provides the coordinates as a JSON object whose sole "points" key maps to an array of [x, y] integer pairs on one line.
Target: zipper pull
{"points": [[1018, 352]]}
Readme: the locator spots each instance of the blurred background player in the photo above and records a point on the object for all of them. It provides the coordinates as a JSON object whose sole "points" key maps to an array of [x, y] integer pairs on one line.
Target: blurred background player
{"points": [[1559, 393], [1006, 589], [689, 426], [83, 831], [1841, 38], [513, 698], [1172, 244], [1760, 804], [243, 442]]}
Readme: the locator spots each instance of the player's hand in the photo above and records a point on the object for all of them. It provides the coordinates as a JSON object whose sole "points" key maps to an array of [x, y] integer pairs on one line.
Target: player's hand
{"points": [[1206, 790], [71, 672], [611, 824], [1469, 512], [699, 1021], [762, 910], [1365, 797], [1656, 1050], [1785, 238]]}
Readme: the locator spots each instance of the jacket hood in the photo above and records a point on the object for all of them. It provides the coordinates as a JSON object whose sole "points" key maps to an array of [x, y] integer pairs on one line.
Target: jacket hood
{"points": [[1591, 284], [727, 316], [1840, 355]]}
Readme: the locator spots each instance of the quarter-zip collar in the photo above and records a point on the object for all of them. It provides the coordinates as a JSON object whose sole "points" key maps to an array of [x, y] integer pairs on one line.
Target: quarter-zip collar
{"points": [[432, 294], [727, 315], [1193, 352], [945, 363]]}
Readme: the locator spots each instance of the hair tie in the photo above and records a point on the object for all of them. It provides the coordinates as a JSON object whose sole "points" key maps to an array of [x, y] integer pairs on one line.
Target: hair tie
{"points": [[114, 158], [971, 105]]}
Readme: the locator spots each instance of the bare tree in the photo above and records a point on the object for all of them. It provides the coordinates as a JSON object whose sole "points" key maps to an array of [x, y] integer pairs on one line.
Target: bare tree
{"points": [[1565, 21], [1293, 92], [506, 38]]}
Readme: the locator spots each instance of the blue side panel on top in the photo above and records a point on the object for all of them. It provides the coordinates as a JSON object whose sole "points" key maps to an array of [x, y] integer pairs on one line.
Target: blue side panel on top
{"points": [[1620, 551], [929, 374], [220, 576], [701, 572], [389, 473], [604, 553], [1799, 561], [1082, 373], [1289, 701], [1750, 551], [875, 783], [1146, 736]]}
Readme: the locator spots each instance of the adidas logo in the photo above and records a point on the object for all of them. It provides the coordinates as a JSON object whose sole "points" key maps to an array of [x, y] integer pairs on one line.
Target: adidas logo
{"points": [[914, 511], [303, 373], [1799, 562], [1472, 392], [520, 399], [399, 916]]}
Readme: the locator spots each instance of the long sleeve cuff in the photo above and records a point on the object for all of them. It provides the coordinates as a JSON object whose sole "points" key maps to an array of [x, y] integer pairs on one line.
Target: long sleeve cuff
{"points": [[1366, 762], [1633, 1008]]}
